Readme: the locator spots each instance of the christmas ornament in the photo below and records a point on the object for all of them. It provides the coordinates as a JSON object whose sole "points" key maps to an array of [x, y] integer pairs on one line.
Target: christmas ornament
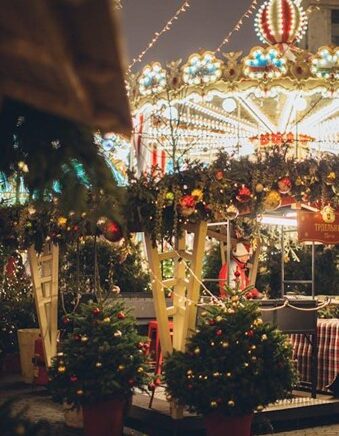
{"points": [[112, 231], [62, 221], [231, 403], [117, 334], [330, 179], [169, 198], [259, 187], [73, 378], [219, 175], [98, 365], [61, 369], [187, 205], [121, 315], [299, 181], [96, 311], [232, 212], [328, 214], [249, 333], [107, 320], [213, 404], [84, 338], [197, 194], [284, 185], [121, 367], [218, 332], [80, 392], [244, 194], [197, 350], [140, 370], [272, 200]]}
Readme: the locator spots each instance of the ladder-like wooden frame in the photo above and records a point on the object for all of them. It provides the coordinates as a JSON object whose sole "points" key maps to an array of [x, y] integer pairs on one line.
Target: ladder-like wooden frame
{"points": [[45, 270], [186, 289]]}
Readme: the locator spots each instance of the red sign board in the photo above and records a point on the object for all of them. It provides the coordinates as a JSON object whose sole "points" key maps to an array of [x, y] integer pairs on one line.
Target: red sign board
{"points": [[322, 226]]}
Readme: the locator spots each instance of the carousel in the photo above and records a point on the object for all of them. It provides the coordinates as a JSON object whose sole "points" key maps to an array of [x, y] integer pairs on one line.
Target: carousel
{"points": [[276, 94]]}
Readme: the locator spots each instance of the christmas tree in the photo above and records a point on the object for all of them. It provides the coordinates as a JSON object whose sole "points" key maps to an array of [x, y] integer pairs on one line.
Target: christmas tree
{"points": [[234, 363], [103, 356]]}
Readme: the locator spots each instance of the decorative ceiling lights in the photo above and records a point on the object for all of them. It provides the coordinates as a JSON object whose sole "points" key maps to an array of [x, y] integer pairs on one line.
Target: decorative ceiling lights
{"points": [[202, 68]]}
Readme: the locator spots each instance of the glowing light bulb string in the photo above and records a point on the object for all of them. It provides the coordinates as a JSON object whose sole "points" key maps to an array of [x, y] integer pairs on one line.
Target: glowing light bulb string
{"points": [[219, 301], [183, 8], [238, 24]]}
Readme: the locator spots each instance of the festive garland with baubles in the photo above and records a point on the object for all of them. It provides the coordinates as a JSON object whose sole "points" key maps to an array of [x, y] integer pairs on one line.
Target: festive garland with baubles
{"points": [[162, 205], [251, 185], [25, 225]]}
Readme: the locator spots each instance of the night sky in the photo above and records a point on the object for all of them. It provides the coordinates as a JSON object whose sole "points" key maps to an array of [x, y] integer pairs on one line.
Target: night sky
{"points": [[203, 25]]}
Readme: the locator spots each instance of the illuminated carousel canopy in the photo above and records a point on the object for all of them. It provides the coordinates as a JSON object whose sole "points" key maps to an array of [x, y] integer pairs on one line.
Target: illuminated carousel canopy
{"points": [[275, 94]]}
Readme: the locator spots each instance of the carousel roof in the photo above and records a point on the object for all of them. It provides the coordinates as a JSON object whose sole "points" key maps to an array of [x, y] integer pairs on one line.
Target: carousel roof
{"points": [[276, 93]]}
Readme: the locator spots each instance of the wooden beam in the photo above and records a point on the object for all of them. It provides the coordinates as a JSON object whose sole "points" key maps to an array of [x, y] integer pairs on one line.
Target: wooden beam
{"points": [[159, 297], [179, 337]]}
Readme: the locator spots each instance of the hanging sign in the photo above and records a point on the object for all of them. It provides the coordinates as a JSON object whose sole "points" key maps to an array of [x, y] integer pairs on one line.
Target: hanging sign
{"points": [[322, 226]]}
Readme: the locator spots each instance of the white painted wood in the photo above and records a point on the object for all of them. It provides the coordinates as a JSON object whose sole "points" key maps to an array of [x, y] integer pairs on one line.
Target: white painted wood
{"points": [[44, 271]]}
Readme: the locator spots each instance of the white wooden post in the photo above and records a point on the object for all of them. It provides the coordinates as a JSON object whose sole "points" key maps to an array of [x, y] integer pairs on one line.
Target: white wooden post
{"points": [[44, 271]]}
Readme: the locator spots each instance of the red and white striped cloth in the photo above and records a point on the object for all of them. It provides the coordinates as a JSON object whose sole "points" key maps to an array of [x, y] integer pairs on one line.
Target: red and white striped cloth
{"points": [[328, 353]]}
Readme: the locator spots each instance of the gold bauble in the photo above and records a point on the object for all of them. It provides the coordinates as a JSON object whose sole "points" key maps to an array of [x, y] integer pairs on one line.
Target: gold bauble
{"points": [[259, 187], [232, 212], [272, 200]]}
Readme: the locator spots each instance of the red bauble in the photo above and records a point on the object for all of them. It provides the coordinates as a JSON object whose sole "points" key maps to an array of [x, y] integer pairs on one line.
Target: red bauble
{"points": [[121, 315], [96, 311], [250, 333], [284, 185], [237, 274], [112, 231], [218, 332], [187, 205], [131, 382], [187, 201], [244, 194], [219, 175], [66, 320], [212, 322], [73, 378]]}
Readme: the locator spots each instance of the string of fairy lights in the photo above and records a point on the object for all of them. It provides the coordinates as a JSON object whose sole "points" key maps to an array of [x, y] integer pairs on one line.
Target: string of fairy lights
{"points": [[217, 300], [183, 8], [238, 25]]}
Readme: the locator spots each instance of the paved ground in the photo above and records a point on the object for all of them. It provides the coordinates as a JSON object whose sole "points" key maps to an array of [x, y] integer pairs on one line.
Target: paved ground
{"points": [[41, 407]]}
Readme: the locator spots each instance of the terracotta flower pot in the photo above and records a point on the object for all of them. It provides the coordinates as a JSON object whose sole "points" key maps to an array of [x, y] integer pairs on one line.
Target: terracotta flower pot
{"points": [[217, 424], [105, 418]]}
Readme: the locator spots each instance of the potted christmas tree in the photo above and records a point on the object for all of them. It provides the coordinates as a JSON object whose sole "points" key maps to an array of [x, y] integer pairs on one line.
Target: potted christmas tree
{"points": [[234, 365], [102, 360]]}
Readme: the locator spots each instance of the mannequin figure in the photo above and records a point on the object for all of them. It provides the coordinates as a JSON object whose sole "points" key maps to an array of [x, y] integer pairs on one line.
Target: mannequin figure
{"points": [[238, 272]]}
